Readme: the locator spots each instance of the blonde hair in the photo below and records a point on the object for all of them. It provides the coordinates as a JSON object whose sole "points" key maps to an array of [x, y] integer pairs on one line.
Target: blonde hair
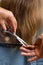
{"points": [[27, 13]]}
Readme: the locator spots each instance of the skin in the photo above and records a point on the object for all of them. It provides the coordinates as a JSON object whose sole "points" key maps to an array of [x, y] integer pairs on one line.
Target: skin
{"points": [[36, 50], [7, 17]]}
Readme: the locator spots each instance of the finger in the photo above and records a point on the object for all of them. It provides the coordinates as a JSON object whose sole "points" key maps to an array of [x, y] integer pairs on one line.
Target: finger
{"points": [[37, 43], [3, 24], [32, 59], [9, 25], [40, 36], [30, 47], [13, 22], [28, 54], [24, 49]]}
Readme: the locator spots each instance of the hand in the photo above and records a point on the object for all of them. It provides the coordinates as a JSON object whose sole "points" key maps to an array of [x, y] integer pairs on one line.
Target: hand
{"points": [[36, 50], [7, 17]]}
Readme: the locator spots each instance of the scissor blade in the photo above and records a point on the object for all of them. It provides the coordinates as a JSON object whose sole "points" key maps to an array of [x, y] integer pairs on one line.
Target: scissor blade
{"points": [[20, 40]]}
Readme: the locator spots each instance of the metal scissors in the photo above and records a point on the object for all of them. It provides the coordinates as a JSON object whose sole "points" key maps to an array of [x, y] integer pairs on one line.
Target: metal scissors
{"points": [[17, 37], [5, 44], [9, 45]]}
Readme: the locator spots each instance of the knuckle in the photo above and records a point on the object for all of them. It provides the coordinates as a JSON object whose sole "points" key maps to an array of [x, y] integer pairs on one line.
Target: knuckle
{"points": [[10, 13]]}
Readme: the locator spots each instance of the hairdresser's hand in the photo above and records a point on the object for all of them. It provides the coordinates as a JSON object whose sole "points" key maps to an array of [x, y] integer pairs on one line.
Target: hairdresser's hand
{"points": [[7, 17], [37, 49]]}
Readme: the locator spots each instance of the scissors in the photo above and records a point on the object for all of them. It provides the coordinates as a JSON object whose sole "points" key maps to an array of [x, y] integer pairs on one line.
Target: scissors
{"points": [[9, 45], [5, 44], [17, 37]]}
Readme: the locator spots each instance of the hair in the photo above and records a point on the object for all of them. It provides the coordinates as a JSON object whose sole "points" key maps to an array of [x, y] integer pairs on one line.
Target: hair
{"points": [[27, 14]]}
